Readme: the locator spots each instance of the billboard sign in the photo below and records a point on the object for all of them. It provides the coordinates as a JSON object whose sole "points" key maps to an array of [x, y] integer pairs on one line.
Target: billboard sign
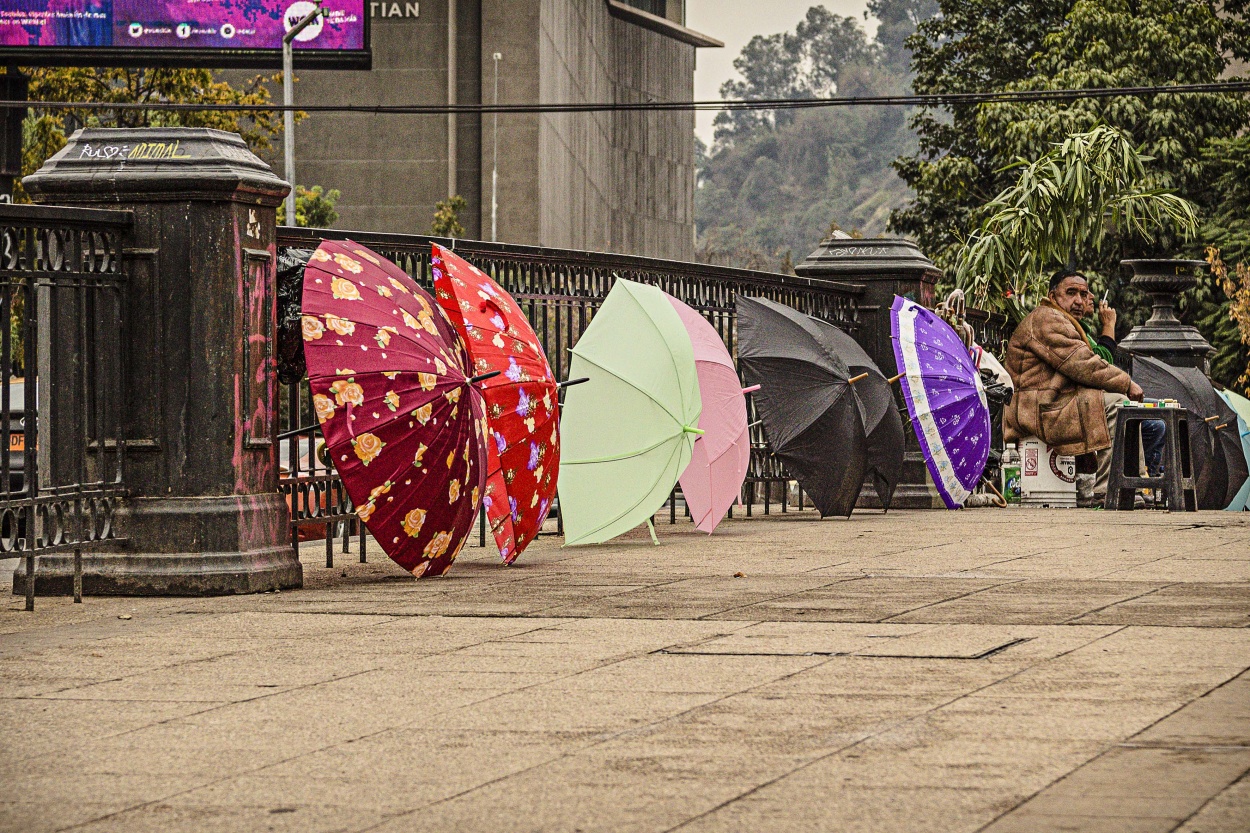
{"points": [[207, 33]]}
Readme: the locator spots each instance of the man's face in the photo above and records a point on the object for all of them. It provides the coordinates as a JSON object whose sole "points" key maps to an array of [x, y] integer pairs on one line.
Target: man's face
{"points": [[1073, 296]]}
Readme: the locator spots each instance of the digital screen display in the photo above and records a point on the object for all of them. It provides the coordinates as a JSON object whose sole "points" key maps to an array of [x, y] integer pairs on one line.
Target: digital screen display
{"points": [[124, 31]]}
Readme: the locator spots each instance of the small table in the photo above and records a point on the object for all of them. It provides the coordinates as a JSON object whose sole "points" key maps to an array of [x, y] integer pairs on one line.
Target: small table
{"points": [[1177, 481]]}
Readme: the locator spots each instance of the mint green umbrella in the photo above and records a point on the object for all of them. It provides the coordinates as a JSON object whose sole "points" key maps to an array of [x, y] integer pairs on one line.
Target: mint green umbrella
{"points": [[627, 434], [1242, 406]]}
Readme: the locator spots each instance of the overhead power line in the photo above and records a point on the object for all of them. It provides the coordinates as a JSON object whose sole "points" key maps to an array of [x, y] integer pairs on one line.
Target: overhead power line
{"points": [[937, 100]]}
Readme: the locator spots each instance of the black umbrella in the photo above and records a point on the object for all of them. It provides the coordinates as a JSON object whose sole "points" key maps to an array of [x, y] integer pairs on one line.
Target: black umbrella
{"points": [[883, 426], [1215, 446], [813, 419]]}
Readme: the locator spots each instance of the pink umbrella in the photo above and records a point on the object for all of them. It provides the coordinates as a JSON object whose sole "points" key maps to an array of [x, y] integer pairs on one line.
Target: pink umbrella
{"points": [[718, 467]]}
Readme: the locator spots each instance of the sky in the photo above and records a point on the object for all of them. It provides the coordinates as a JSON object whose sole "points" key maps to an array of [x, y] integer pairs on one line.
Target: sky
{"points": [[737, 21]]}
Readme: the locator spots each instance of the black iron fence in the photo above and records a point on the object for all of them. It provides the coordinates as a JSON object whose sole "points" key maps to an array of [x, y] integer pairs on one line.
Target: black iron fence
{"points": [[559, 290], [61, 382]]}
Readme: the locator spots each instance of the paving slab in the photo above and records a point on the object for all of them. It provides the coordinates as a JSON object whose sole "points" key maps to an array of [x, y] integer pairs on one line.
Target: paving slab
{"points": [[983, 670]]}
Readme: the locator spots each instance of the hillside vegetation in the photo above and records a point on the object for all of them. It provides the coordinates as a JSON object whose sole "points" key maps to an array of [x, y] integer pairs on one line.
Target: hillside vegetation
{"points": [[775, 182]]}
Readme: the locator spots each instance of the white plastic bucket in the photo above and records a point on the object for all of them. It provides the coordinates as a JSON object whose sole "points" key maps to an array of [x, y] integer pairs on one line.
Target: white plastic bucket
{"points": [[1047, 478]]}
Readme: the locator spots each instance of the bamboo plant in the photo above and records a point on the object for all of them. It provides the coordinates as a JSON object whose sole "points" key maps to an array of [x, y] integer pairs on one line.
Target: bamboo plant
{"points": [[1060, 212]]}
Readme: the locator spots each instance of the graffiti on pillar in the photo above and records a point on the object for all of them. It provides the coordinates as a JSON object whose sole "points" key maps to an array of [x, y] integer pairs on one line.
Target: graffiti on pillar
{"points": [[258, 354], [148, 151]]}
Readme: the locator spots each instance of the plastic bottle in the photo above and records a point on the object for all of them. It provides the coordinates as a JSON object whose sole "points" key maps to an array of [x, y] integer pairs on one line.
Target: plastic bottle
{"points": [[1011, 475]]}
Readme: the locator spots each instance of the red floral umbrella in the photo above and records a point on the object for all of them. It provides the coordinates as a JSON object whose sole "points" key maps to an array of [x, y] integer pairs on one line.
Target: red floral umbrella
{"points": [[522, 401], [404, 424]]}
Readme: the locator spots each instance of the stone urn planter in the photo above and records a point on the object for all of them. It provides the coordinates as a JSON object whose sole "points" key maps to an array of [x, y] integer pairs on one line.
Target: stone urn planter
{"points": [[1164, 337]]}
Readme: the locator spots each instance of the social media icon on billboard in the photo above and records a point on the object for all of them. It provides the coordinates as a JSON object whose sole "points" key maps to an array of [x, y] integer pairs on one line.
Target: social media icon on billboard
{"points": [[184, 30], [227, 31], [136, 30]]}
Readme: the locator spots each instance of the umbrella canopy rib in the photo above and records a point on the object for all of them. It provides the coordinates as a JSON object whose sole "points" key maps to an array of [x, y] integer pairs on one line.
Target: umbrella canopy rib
{"points": [[676, 419]]}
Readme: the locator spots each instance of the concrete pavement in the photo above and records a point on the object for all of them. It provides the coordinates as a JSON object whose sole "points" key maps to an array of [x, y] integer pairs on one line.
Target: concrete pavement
{"points": [[998, 670]]}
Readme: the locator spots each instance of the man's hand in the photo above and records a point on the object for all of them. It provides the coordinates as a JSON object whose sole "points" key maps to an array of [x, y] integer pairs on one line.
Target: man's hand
{"points": [[1135, 392], [1106, 317]]}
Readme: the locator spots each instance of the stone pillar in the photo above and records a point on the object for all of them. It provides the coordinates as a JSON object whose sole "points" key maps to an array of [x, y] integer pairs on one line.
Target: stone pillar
{"points": [[885, 267], [1164, 337], [204, 516]]}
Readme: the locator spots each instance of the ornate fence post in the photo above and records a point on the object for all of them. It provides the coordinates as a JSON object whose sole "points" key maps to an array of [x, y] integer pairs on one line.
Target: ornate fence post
{"points": [[204, 516], [885, 267]]}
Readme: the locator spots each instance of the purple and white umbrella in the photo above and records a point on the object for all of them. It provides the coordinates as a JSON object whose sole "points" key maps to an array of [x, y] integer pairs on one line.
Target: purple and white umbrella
{"points": [[944, 397]]}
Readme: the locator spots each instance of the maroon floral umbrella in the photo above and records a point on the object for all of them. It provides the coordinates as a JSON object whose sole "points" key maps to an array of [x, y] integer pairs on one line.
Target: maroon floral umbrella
{"points": [[403, 421]]}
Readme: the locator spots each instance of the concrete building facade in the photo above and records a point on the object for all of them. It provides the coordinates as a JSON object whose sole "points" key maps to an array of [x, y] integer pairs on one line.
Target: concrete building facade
{"points": [[613, 181]]}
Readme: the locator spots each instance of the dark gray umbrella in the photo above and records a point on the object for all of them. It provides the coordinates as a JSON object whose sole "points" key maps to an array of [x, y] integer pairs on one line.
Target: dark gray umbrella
{"points": [[812, 416], [1215, 446], [883, 427]]}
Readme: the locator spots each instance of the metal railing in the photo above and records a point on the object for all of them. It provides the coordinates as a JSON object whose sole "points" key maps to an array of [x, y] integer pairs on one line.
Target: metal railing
{"points": [[559, 290], [314, 492], [61, 287]]}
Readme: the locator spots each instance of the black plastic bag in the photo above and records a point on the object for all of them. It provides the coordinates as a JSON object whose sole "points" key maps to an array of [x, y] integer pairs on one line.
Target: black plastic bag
{"points": [[997, 395], [291, 263]]}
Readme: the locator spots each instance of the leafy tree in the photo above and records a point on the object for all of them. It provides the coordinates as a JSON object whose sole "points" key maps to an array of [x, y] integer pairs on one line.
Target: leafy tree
{"points": [[1117, 43], [804, 63], [726, 248], [896, 22], [44, 133], [1220, 305], [774, 181], [987, 45], [1061, 211], [966, 152], [314, 207], [970, 46], [447, 217]]}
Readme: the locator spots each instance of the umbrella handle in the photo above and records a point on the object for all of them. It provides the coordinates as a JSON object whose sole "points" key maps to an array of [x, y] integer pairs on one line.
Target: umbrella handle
{"points": [[858, 378], [1212, 418], [482, 377], [568, 383], [1001, 503], [751, 389], [690, 429], [894, 379]]}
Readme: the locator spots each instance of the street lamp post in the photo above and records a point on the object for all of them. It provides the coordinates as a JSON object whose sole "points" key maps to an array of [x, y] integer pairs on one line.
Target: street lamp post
{"points": [[494, 171], [288, 100]]}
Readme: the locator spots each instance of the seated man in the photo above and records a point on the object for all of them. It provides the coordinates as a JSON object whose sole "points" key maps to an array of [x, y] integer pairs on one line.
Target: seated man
{"points": [[1066, 395], [1104, 344]]}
